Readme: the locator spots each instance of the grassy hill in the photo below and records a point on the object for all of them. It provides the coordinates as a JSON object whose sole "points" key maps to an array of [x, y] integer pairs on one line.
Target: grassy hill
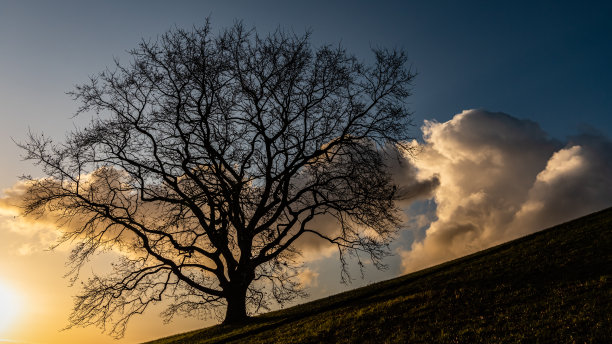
{"points": [[553, 286]]}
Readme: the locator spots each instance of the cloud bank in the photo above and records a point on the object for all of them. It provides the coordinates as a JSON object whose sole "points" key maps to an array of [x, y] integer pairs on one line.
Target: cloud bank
{"points": [[492, 177], [500, 178], [35, 234]]}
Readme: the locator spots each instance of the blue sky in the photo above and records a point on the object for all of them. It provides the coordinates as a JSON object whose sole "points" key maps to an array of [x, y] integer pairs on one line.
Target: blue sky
{"points": [[546, 62]]}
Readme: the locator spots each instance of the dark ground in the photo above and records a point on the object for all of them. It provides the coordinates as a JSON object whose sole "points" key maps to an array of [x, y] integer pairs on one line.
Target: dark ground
{"points": [[553, 286]]}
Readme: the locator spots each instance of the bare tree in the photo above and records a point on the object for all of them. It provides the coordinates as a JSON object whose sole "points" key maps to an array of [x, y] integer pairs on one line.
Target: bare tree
{"points": [[208, 156]]}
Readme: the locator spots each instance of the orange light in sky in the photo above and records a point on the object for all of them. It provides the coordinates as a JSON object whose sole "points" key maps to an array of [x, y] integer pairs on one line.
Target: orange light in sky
{"points": [[9, 307]]}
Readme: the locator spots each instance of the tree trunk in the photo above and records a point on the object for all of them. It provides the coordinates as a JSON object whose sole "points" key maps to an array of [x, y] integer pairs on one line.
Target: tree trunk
{"points": [[236, 306]]}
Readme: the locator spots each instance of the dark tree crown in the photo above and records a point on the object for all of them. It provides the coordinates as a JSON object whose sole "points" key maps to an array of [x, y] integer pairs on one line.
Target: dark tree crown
{"points": [[209, 157]]}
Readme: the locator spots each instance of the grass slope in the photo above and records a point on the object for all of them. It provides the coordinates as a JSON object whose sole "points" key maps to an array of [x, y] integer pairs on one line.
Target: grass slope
{"points": [[553, 286]]}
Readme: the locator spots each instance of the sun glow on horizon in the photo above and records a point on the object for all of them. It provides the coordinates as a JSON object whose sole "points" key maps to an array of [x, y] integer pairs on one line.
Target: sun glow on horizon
{"points": [[10, 304]]}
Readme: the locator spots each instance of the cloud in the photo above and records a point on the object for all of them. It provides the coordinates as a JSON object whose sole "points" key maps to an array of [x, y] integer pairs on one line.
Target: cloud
{"points": [[308, 278], [48, 226], [500, 178], [409, 189], [577, 180], [43, 229], [491, 176], [35, 233]]}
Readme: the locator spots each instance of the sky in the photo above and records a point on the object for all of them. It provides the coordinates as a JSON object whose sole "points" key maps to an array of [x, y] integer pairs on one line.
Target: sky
{"points": [[512, 109]]}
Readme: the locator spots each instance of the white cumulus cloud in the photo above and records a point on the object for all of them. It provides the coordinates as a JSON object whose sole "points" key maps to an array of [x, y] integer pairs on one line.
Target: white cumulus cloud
{"points": [[500, 178]]}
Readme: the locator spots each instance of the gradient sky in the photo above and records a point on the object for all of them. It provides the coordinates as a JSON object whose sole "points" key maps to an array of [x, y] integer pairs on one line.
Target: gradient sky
{"points": [[544, 62]]}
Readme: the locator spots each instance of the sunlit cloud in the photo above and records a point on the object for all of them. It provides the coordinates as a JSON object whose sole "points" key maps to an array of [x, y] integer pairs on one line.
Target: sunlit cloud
{"points": [[37, 233], [491, 176], [409, 189], [308, 278], [501, 178], [39, 230]]}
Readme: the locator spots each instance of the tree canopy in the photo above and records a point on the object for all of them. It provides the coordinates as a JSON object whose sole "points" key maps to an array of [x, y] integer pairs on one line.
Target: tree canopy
{"points": [[208, 156]]}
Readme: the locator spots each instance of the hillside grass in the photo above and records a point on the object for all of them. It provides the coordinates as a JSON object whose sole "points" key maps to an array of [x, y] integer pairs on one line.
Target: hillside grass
{"points": [[553, 286]]}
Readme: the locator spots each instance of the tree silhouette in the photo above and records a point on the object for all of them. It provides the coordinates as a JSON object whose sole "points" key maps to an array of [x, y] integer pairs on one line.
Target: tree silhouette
{"points": [[208, 156]]}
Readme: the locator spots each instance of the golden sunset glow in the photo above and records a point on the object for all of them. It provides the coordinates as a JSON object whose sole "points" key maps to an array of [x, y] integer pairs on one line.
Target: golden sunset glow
{"points": [[9, 306], [159, 158]]}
